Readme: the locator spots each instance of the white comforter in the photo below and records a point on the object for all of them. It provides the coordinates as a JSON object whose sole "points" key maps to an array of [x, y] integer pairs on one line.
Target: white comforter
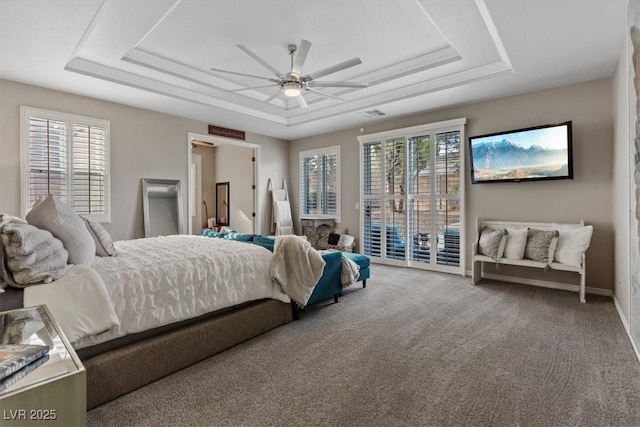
{"points": [[162, 280]]}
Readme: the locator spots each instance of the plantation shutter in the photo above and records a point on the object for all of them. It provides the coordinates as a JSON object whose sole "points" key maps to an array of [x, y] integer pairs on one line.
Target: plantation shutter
{"points": [[320, 183], [89, 169], [412, 194], [67, 156], [48, 156]]}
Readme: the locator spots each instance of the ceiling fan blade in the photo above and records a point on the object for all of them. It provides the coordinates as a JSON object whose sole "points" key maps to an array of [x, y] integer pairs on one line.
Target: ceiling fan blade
{"points": [[334, 69], [217, 70], [251, 88], [260, 60], [300, 57], [326, 94], [314, 83], [301, 101]]}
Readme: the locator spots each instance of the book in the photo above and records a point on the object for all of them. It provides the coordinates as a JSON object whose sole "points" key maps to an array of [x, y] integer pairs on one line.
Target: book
{"points": [[16, 356], [21, 373]]}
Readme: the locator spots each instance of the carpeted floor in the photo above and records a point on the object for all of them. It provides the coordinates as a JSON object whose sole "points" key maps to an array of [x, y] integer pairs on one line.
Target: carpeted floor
{"points": [[414, 348]]}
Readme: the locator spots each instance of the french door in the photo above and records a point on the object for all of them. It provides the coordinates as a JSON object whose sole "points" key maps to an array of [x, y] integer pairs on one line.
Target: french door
{"points": [[411, 201]]}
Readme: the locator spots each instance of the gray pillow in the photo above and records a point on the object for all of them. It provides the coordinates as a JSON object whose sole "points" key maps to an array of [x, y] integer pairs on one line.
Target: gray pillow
{"points": [[541, 245], [101, 237], [52, 214], [491, 242]]}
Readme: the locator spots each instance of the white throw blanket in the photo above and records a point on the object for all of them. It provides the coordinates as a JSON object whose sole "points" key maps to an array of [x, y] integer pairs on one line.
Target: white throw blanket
{"points": [[297, 267], [350, 272]]}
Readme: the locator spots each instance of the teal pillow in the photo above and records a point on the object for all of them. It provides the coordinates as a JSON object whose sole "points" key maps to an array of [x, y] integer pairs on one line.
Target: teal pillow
{"points": [[264, 241], [240, 237], [209, 233]]}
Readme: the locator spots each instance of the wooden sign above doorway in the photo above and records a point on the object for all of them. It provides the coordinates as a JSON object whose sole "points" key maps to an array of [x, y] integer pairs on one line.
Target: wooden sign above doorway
{"points": [[229, 133]]}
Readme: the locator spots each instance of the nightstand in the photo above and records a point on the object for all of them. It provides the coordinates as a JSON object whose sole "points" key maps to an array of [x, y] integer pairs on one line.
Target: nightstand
{"points": [[52, 394]]}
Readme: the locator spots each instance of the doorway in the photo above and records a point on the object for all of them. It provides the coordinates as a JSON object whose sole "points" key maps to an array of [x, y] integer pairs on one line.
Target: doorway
{"points": [[223, 160]]}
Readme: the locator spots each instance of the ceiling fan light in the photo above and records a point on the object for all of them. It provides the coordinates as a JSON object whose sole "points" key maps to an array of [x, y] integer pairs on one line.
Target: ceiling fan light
{"points": [[291, 89]]}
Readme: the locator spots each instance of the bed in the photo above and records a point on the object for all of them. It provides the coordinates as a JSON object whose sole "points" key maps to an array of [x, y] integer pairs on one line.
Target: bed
{"points": [[159, 305], [138, 310]]}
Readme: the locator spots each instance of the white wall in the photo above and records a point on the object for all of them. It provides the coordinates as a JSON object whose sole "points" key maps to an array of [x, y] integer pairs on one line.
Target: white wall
{"points": [[144, 144], [621, 186], [587, 196]]}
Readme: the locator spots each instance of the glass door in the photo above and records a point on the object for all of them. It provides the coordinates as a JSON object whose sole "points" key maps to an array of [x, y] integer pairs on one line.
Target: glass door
{"points": [[412, 189]]}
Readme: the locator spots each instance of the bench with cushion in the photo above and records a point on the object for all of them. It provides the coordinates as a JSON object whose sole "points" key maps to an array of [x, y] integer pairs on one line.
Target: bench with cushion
{"points": [[543, 245]]}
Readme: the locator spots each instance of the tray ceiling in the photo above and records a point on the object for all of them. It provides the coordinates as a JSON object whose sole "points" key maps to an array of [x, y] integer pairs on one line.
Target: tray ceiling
{"points": [[416, 55]]}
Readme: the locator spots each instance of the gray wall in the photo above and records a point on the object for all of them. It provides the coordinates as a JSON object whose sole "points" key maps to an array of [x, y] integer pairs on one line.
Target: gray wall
{"points": [[144, 144], [587, 196]]}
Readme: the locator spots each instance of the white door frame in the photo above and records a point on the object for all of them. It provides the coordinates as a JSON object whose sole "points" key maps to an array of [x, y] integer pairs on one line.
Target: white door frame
{"points": [[193, 137]]}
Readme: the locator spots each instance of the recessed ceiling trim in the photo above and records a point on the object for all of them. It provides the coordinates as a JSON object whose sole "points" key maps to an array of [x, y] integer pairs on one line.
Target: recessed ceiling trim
{"points": [[192, 74], [493, 32], [93, 69], [440, 83]]}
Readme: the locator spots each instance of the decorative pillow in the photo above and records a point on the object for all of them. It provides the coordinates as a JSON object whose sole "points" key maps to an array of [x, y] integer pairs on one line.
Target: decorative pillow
{"points": [[541, 245], [491, 242], [333, 239], [516, 242], [346, 240], [50, 213], [101, 237], [572, 243]]}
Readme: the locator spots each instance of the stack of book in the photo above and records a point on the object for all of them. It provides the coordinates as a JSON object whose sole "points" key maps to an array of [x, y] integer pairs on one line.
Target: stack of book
{"points": [[17, 360]]}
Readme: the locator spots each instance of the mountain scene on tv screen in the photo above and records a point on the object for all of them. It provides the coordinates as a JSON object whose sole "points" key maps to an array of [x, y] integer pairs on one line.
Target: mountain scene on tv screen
{"points": [[505, 159]]}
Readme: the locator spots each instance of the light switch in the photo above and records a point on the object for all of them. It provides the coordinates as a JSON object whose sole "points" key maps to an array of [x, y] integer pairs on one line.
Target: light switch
{"points": [[357, 206]]}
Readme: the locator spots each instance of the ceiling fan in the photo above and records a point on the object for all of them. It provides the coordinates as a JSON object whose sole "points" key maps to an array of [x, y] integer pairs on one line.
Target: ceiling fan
{"points": [[292, 83]]}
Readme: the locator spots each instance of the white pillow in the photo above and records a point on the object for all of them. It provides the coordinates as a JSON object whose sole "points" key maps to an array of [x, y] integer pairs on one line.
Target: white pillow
{"points": [[516, 242], [345, 240], [52, 214], [101, 237], [572, 243]]}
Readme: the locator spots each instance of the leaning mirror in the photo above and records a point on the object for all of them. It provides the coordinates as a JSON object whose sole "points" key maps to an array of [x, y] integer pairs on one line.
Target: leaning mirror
{"points": [[162, 207], [222, 203]]}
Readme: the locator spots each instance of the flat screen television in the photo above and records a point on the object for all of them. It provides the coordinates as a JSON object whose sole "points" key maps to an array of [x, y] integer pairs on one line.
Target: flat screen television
{"points": [[530, 154]]}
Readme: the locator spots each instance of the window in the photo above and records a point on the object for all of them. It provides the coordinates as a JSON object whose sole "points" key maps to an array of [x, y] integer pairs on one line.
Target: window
{"points": [[67, 156], [412, 195], [320, 182]]}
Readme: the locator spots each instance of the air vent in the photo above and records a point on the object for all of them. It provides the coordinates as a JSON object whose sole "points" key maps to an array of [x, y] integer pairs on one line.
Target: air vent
{"points": [[374, 113]]}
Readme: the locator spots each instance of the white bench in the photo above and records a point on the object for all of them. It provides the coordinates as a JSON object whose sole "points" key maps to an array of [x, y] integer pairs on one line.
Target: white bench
{"points": [[478, 260]]}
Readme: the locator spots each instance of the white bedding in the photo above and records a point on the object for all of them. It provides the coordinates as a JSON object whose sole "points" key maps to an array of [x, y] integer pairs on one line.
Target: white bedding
{"points": [[161, 280]]}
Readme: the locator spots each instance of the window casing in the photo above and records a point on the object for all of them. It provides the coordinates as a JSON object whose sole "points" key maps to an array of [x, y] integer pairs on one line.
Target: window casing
{"points": [[67, 156], [320, 183]]}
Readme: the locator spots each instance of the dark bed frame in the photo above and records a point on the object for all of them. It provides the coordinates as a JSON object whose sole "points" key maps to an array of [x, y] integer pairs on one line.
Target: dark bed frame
{"points": [[120, 366], [121, 370]]}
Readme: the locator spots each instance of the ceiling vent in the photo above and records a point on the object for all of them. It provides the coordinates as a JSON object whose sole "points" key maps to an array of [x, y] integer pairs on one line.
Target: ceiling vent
{"points": [[374, 113]]}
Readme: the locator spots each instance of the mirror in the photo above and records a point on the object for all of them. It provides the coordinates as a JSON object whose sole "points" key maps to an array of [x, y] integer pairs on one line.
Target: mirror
{"points": [[162, 207], [222, 203]]}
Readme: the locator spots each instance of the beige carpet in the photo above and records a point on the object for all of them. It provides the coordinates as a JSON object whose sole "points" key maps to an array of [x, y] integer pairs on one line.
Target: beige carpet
{"points": [[412, 349]]}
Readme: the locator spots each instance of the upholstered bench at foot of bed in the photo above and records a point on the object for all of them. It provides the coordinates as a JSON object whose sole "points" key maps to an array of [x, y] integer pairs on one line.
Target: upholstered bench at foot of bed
{"points": [[330, 284]]}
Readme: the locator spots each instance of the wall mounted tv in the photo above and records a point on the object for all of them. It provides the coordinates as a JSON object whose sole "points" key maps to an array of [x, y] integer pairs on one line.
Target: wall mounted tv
{"points": [[530, 154]]}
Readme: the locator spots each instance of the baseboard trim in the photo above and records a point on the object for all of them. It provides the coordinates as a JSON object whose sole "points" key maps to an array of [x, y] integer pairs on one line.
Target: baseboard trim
{"points": [[626, 325], [547, 284]]}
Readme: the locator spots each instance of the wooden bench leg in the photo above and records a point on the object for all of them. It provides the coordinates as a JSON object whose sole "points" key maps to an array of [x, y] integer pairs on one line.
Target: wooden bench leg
{"points": [[583, 288], [335, 298]]}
